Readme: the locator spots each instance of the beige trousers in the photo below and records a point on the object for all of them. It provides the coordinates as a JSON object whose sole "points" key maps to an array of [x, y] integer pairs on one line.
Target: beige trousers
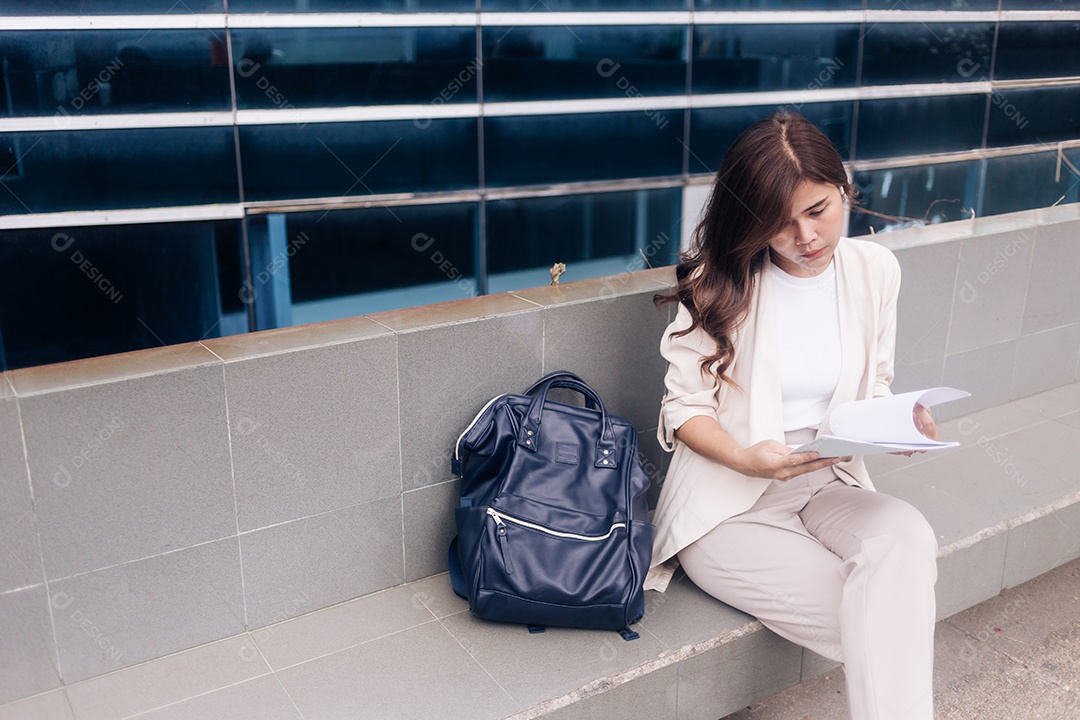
{"points": [[846, 572]]}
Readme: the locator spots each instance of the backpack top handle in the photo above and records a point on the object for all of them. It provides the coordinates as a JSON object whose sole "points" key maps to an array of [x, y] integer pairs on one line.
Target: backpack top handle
{"points": [[529, 433]]}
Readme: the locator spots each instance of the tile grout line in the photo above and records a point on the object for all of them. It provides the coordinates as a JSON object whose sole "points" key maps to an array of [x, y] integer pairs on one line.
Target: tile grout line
{"points": [[232, 477], [952, 307], [1023, 308], [285, 690], [41, 544], [143, 663], [301, 348], [401, 456], [352, 646], [143, 713], [476, 660]]}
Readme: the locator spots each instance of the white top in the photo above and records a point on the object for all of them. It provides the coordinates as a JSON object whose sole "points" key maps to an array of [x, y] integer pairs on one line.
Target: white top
{"points": [[807, 313]]}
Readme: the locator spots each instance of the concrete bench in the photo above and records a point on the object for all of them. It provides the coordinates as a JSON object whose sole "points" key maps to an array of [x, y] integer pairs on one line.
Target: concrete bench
{"points": [[1006, 508]]}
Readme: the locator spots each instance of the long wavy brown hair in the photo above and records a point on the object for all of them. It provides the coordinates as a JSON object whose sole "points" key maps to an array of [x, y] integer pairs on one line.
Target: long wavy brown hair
{"points": [[749, 204]]}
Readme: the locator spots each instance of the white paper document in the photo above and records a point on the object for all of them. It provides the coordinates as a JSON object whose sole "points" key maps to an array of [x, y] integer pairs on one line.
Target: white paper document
{"points": [[882, 425]]}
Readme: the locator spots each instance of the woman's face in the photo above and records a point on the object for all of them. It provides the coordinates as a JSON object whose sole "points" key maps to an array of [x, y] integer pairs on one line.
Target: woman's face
{"points": [[805, 246]]}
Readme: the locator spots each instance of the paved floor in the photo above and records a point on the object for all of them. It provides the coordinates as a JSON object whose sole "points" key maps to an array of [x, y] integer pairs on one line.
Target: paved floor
{"points": [[1014, 657]]}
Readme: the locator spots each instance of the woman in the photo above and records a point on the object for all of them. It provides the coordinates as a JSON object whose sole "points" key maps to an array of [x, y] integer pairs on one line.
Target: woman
{"points": [[779, 320]]}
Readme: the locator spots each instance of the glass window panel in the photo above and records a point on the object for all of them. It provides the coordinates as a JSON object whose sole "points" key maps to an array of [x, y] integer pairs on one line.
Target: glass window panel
{"points": [[712, 130], [1037, 50], [774, 57], [1022, 182], [916, 126], [931, 4], [895, 54], [102, 290], [531, 63], [85, 72], [924, 195], [596, 235], [113, 7], [318, 67], [303, 6], [104, 169], [354, 262], [1019, 117], [355, 159], [570, 148]]}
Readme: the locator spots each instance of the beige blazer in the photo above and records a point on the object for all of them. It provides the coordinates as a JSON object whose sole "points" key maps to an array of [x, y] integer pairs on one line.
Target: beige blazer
{"points": [[698, 493]]}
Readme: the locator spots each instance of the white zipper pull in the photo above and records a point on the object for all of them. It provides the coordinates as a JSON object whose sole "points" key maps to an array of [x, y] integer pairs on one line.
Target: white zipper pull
{"points": [[504, 541]]}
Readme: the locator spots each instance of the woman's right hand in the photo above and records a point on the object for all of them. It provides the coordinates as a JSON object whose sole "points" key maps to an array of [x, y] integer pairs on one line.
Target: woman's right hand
{"points": [[773, 460]]}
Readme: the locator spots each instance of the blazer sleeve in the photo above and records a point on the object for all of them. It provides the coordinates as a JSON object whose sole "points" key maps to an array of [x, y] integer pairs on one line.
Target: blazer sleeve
{"points": [[886, 340], [689, 390]]}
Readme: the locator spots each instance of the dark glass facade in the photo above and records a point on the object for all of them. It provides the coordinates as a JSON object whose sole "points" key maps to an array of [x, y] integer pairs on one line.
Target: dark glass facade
{"points": [[352, 161]]}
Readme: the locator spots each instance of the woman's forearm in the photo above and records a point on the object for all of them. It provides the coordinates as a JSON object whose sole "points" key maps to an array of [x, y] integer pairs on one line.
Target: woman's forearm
{"points": [[704, 436]]}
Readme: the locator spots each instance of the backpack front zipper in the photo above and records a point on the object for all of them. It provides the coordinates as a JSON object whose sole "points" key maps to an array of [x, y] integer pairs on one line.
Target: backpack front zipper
{"points": [[504, 541], [500, 517]]}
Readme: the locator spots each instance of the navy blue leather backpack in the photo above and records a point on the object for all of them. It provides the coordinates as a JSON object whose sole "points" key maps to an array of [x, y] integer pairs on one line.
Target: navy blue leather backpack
{"points": [[553, 523]]}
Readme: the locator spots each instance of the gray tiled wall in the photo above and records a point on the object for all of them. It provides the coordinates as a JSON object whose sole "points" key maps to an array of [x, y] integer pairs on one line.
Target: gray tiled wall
{"points": [[995, 311], [154, 501]]}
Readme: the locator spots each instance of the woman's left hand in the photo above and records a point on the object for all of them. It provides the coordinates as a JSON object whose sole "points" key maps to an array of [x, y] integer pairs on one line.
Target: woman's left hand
{"points": [[924, 423]]}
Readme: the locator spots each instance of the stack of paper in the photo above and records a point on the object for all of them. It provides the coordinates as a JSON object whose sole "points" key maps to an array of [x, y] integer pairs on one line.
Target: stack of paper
{"points": [[881, 425]]}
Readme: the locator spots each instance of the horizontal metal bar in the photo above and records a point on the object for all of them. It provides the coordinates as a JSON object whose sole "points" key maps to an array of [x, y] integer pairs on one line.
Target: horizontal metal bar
{"points": [[961, 156], [442, 198], [130, 121], [573, 19], [583, 188], [908, 161], [1040, 15], [522, 19], [823, 17], [184, 213], [352, 20], [362, 113], [423, 113], [1030, 84], [360, 202], [180, 21]]}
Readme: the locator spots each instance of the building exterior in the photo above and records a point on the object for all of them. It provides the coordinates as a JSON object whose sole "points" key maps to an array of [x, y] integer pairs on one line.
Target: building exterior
{"points": [[174, 170]]}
